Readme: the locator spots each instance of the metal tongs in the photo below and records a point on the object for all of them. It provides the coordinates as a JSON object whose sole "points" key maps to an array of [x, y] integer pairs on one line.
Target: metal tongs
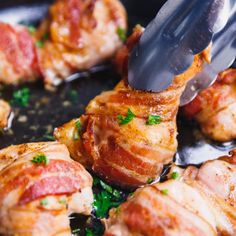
{"points": [[182, 29]]}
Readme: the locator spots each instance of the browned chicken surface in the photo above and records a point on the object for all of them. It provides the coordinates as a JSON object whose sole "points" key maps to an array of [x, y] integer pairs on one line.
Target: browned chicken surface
{"points": [[40, 185], [215, 108], [193, 202], [5, 111], [126, 136], [82, 34], [76, 36]]}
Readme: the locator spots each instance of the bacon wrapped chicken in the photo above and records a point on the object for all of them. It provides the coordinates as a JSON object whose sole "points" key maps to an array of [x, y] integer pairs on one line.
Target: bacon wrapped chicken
{"points": [[76, 36], [193, 202], [215, 108], [39, 187], [82, 34], [127, 136]]}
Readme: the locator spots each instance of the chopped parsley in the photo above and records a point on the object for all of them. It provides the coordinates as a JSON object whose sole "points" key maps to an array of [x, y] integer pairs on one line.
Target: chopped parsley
{"points": [[45, 36], [63, 201], [103, 202], [153, 120], [150, 180], [44, 202], [39, 44], [89, 232], [94, 227], [49, 137], [78, 128], [21, 97], [105, 199], [40, 159], [106, 187], [131, 194], [175, 175], [73, 95], [118, 210], [121, 33], [125, 120], [31, 29], [164, 191]]}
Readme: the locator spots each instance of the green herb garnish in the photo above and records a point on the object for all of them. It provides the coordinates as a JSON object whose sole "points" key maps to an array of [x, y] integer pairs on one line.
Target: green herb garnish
{"points": [[45, 36], [78, 128], [63, 201], [40, 159], [89, 232], [131, 194], [125, 120], [95, 228], [106, 199], [103, 202], [106, 187], [121, 33], [44, 202], [150, 180], [164, 191], [118, 210], [49, 137], [96, 181], [21, 97], [31, 29], [175, 175], [73, 95], [39, 44], [153, 120]]}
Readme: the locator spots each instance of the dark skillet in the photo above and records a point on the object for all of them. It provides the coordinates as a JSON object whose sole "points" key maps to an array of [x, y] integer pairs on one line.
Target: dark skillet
{"points": [[47, 110]]}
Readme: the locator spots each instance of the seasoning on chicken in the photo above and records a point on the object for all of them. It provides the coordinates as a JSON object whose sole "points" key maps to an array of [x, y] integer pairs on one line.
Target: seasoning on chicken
{"points": [[215, 108], [198, 202], [126, 136], [5, 111], [17, 55], [81, 35], [39, 187]]}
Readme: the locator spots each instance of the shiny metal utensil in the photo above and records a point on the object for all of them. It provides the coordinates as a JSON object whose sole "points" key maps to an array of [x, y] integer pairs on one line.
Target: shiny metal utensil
{"points": [[223, 55], [181, 29]]}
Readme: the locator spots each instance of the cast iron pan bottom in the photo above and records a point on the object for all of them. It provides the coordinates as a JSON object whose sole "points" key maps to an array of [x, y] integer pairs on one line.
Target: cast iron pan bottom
{"points": [[47, 110]]}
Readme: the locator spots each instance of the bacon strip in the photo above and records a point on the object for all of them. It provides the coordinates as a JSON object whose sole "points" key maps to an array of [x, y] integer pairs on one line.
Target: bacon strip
{"points": [[54, 185]]}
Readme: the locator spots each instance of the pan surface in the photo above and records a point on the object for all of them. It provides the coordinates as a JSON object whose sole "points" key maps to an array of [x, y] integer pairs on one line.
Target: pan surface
{"points": [[47, 110]]}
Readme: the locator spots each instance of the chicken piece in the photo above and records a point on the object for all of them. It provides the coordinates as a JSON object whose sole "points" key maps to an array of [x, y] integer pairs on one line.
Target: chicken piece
{"points": [[152, 212], [17, 55], [82, 34], [216, 180], [134, 153], [198, 202], [215, 108], [39, 187], [5, 111], [77, 35]]}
